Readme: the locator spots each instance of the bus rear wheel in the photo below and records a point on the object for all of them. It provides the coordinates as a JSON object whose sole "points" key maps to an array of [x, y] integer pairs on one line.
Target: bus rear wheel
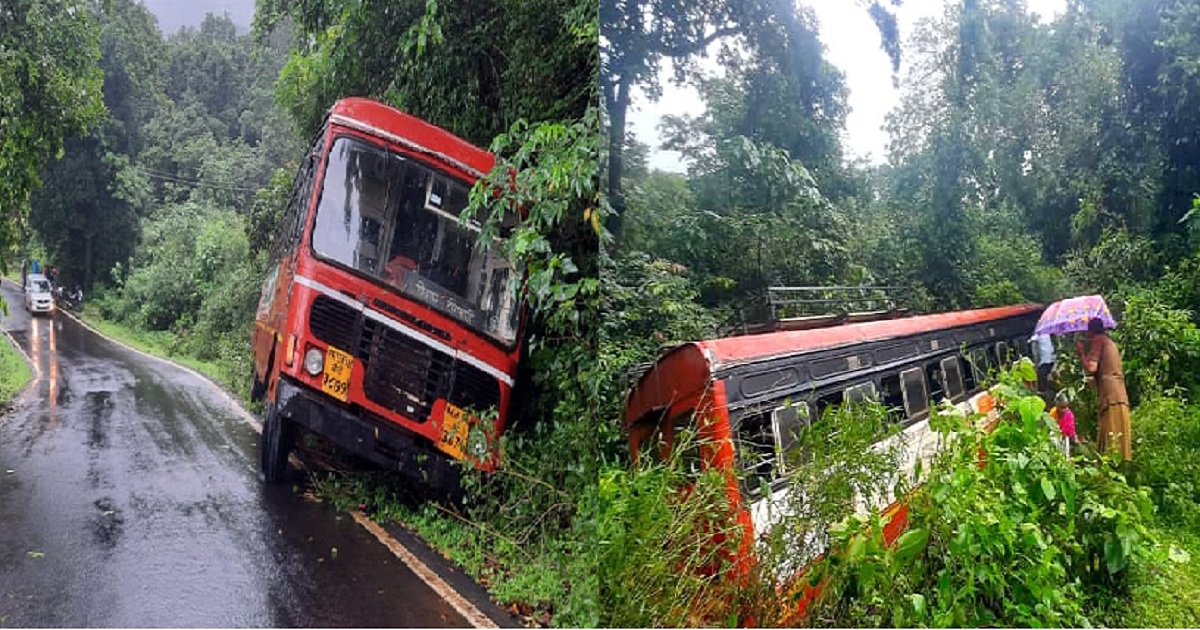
{"points": [[276, 444]]}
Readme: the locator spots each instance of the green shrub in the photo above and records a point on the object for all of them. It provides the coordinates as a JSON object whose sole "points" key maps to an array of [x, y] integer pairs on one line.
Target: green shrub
{"points": [[1020, 541], [1119, 260], [192, 278], [999, 293], [664, 552], [649, 304], [1166, 437], [1160, 345]]}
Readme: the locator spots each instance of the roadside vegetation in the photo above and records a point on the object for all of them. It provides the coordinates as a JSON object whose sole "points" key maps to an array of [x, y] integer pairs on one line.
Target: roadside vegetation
{"points": [[1029, 160], [162, 186], [14, 373]]}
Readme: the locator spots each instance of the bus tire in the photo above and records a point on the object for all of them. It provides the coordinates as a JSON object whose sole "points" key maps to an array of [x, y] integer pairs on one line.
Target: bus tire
{"points": [[276, 444]]}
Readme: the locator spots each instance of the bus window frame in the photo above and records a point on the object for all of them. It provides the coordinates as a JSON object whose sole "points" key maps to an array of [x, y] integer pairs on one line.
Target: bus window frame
{"points": [[979, 363], [962, 386], [804, 409], [874, 392], [765, 415], [933, 374], [895, 413], [291, 228], [436, 168], [969, 383], [992, 351], [913, 417]]}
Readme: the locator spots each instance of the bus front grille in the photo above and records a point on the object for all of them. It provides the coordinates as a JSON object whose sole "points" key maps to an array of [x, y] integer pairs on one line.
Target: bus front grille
{"points": [[474, 388], [401, 373], [405, 375], [334, 323]]}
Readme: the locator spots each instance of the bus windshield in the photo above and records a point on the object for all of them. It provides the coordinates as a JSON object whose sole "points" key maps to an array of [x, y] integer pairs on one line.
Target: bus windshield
{"points": [[396, 219]]}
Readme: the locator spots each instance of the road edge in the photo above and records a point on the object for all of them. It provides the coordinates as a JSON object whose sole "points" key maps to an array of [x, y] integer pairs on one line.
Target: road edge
{"points": [[476, 617], [448, 593], [34, 373]]}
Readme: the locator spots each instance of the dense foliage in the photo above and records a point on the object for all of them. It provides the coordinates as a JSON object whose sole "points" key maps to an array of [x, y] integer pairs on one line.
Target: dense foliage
{"points": [[49, 89], [1029, 159]]}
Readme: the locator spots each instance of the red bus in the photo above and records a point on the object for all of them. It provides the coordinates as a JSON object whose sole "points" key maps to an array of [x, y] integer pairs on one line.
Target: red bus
{"points": [[383, 323], [746, 397]]}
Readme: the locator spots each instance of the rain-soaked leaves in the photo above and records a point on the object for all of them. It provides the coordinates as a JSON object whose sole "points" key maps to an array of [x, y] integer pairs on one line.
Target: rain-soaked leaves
{"points": [[35, 554]]}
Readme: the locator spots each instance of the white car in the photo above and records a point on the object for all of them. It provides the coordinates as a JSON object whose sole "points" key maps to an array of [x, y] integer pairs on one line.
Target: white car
{"points": [[38, 296]]}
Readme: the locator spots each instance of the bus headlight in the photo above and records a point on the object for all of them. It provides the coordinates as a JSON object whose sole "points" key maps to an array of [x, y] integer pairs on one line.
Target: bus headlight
{"points": [[477, 443], [314, 361]]}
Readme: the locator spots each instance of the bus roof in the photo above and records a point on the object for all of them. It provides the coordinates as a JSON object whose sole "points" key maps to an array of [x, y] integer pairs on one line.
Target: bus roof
{"points": [[377, 119], [730, 350], [687, 368]]}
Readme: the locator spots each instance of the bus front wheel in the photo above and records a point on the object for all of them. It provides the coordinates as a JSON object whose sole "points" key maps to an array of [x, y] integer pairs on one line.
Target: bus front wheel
{"points": [[277, 436]]}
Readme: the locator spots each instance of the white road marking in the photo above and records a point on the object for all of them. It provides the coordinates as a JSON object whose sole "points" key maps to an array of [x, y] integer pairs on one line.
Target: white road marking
{"points": [[473, 615], [465, 608]]}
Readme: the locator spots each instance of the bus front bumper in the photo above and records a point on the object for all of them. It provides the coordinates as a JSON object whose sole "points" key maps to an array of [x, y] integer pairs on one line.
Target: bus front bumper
{"points": [[389, 447]]}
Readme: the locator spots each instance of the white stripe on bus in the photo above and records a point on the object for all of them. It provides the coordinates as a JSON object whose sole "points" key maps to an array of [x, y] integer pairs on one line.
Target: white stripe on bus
{"points": [[404, 330]]}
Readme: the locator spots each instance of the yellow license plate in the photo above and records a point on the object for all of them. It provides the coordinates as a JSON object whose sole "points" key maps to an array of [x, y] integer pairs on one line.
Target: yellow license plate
{"points": [[454, 432], [336, 381]]}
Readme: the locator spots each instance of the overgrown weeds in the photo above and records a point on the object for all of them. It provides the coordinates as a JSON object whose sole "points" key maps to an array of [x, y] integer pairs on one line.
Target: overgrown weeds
{"points": [[668, 539], [1004, 530]]}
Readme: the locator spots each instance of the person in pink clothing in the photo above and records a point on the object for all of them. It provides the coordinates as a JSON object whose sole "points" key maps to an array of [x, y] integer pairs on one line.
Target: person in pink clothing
{"points": [[1066, 423]]}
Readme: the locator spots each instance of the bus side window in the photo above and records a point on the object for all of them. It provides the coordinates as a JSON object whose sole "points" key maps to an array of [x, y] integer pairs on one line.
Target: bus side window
{"points": [[993, 356], [952, 375], [832, 399], [893, 397], [756, 449], [969, 376], [933, 376], [979, 362], [287, 234], [916, 400], [789, 422], [860, 392]]}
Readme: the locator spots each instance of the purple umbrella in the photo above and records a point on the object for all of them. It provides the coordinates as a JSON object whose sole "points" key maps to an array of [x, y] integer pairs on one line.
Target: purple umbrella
{"points": [[1072, 315]]}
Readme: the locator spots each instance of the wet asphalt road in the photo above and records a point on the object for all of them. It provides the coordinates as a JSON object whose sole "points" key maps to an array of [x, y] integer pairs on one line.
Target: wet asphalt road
{"points": [[134, 500]]}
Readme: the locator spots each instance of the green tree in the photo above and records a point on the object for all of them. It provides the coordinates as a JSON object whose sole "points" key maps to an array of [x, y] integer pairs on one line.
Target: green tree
{"points": [[473, 68], [86, 214], [49, 88], [640, 36]]}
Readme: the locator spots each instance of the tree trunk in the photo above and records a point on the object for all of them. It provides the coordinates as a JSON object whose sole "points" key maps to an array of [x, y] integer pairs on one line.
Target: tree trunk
{"points": [[616, 149]]}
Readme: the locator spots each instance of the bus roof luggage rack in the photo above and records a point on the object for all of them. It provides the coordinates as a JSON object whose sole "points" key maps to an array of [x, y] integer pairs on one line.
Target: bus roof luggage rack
{"points": [[804, 308]]}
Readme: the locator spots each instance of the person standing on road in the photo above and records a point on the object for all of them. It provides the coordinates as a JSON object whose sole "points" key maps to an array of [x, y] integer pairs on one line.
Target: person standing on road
{"points": [[1103, 360], [24, 265], [1044, 347]]}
